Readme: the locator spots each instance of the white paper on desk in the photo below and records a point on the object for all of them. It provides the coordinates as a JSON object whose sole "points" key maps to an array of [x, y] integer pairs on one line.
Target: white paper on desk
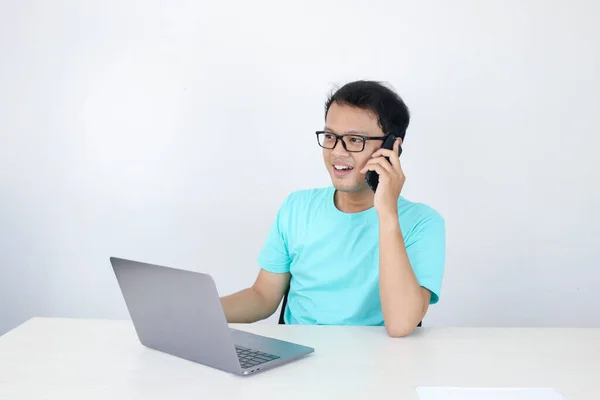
{"points": [[455, 393]]}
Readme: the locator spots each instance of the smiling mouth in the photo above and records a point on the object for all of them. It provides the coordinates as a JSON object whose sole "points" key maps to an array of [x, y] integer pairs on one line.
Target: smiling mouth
{"points": [[342, 168]]}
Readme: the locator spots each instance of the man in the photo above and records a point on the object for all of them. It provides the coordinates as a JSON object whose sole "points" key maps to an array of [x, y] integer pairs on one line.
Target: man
{"points": [[350, 256]]}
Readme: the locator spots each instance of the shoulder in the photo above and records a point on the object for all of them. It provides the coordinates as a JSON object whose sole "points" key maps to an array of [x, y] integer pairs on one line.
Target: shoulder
{"points": [[302, 206], [307, 197], [415, 216]]}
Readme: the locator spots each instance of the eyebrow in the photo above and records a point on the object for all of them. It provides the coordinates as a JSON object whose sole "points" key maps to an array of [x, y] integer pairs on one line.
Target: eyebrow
{"points": [[351, 132]]}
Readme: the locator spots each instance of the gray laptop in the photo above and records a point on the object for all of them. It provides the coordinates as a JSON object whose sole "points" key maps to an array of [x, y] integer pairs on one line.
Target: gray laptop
{"points": [[179, 312]]}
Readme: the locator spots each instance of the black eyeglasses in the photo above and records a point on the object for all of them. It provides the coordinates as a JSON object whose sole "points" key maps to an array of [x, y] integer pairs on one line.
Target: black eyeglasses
{"points": [[351, 142]]}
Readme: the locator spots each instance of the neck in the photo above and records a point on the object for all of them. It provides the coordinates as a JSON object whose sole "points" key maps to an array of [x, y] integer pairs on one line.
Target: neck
{"points": [[353, 202]]}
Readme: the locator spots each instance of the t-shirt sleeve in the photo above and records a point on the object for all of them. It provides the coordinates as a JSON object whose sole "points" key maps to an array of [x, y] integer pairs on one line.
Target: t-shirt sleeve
{"points": [[426, 248], [274, 255]]}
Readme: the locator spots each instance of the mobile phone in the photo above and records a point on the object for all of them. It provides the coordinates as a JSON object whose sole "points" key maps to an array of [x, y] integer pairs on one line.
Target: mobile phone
{"points": [[372, 177]]}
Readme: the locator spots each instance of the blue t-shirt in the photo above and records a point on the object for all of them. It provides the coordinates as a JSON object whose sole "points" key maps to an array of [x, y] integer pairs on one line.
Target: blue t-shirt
{"points": [[333, 257]]}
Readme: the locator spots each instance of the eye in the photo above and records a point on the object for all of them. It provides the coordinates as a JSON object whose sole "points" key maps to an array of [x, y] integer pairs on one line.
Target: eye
{"points": [[356, 139], [329, 136]]}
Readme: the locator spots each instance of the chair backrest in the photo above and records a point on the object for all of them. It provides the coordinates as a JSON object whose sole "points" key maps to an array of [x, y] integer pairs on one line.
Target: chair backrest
{"points": [[284, 304]]}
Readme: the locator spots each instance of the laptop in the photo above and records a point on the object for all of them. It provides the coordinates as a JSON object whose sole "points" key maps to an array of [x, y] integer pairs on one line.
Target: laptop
{"points": [[179, 312]]}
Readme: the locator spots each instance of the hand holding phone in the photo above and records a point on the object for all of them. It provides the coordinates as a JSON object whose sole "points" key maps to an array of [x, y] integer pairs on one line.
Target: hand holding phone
{"points": [[372, 177]]}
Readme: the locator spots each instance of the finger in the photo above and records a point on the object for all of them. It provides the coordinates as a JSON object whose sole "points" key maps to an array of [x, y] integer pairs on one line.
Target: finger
{"points": [[383, 173], [391, 154], [384, 153], [395, 160], [389, 165], [381, 161]]}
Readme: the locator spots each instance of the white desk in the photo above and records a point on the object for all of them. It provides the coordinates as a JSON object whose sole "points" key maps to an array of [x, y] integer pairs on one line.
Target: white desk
{"points": [[93, 359]]}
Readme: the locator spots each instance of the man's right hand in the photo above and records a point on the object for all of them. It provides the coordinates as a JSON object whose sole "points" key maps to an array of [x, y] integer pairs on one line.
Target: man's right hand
{"points": [[259, 301]]}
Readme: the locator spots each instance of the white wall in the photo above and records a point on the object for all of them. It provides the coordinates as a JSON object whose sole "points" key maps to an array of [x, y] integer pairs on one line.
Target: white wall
{"points": [[144, 129]]}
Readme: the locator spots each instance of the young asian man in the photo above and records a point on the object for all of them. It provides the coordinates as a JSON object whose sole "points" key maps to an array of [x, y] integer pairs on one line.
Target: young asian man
{"points": [[347, 255]]}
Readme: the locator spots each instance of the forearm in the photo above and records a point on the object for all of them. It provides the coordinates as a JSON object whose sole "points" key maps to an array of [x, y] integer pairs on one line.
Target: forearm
{"points": [[246, 306], [402, 301]]}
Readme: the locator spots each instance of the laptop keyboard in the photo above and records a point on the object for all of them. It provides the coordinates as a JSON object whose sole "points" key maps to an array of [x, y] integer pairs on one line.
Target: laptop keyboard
{"points": [[250, 358]]}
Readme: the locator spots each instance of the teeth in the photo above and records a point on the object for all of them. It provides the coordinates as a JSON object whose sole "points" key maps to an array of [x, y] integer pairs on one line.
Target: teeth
{"points": [[341, 167]]}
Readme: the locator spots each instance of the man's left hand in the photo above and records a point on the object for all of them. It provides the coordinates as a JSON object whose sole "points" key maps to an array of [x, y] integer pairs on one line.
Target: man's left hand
{"points": [[391, 179]]}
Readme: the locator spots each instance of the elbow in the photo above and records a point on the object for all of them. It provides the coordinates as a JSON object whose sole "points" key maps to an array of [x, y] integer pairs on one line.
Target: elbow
{"points": [[398, 330], [402, 322]]}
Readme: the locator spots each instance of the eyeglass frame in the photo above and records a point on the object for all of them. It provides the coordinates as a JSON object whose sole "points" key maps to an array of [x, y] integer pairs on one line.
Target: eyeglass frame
{"points": [[341, 138]]}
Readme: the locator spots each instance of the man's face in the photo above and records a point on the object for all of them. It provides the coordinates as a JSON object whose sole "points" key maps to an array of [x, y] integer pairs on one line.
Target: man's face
{"points": [[344, 166]]}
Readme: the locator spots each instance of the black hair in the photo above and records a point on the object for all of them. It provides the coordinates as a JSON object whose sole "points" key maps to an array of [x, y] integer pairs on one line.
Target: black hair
{"points": [[392, 114]]}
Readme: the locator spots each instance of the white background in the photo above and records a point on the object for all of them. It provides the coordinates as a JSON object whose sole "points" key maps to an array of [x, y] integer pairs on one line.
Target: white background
{"points": [[170, 132]]}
